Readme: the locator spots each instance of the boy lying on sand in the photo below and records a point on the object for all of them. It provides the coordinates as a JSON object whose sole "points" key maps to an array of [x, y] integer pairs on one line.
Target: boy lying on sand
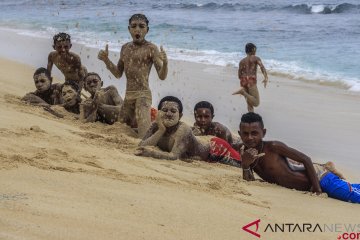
{"points": [[175, 139], [269, 160]]}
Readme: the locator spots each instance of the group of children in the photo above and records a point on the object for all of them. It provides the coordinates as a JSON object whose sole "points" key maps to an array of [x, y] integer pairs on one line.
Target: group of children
{"points": [[173, 138]]}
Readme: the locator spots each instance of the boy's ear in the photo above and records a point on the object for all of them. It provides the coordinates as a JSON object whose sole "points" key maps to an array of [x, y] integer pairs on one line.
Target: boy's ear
{"points": [[213, 116], [148, 29], [102, 83], [129, 28], [70, 45], [264, 132], [180, 115], [54, 46]]}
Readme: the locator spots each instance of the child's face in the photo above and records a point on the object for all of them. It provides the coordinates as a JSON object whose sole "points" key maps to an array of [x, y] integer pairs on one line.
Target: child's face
{"points": [[170, 114], [42, 82], [69, 95], [203, 117], [138, 29], [93, 84], [62, 47]]}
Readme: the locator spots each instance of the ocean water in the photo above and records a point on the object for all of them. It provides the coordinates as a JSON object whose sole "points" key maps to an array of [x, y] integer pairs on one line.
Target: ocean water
{"points": [[315, 40]]}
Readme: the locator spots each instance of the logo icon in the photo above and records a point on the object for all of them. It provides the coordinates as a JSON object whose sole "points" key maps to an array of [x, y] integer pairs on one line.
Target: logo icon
{"points": [[246, 228]]}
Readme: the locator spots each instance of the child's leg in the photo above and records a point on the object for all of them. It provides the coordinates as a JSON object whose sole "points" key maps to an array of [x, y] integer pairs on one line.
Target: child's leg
{"points": [[142, 113], [339, 189], [127, 112], [252, 98]]}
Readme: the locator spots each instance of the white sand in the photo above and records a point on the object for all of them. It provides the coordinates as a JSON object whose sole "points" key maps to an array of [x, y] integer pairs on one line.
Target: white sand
{"points": [[60, 179]]}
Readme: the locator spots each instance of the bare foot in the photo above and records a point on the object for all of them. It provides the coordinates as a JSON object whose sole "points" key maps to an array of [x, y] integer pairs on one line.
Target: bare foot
{"points": [[240, 91], [330, 166]]}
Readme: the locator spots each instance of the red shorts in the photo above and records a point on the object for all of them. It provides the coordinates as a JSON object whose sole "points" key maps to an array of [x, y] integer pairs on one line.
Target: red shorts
{"points": [[247, 81], [221, 151]]}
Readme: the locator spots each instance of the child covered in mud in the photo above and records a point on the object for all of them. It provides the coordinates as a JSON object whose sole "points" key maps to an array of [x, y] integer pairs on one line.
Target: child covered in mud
{"points": [[46, 93], [247, 75], [67, 62], [136, 59], [104, 105], [174, 139]]}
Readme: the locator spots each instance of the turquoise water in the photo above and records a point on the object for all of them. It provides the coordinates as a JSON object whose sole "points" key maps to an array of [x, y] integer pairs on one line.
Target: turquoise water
{"points": [[315, 40]]}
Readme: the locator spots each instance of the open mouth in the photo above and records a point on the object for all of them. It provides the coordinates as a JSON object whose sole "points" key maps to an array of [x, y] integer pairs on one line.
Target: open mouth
{"points": [[137, 36]]}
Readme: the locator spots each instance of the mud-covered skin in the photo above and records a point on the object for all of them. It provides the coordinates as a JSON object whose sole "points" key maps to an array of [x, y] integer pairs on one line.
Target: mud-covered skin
{"points": [[104, 104], [136, 59], [173, 138], [67, 62]]}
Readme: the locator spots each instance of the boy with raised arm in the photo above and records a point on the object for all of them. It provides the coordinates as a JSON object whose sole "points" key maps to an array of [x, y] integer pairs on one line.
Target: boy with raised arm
{"points": [[104, 104], [136, 59], [247, 75], [269, 159], [67, 62]]}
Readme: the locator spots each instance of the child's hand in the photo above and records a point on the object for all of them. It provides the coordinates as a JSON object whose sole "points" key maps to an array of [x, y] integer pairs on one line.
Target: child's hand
{"points": [[265, 81], [159, 121], [104, 54], [162, 55]]}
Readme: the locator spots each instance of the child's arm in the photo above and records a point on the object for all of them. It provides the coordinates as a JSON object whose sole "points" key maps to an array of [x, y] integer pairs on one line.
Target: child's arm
{"points": [[50, 62], [161, 62], [263, 70], [116, 70], [34, 100]]}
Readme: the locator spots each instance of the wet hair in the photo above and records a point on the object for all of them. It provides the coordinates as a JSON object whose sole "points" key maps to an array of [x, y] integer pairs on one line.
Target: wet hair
{"points": [[204, 104], [252, 117], [139, 16], [74, 85], [250, 48], [171, 99], [61, 37], [91, 74], [43, 70]]}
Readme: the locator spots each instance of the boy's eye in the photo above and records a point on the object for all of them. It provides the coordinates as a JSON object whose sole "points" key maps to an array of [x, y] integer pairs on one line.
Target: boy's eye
{"points": [[173, 110], [164, 110]]}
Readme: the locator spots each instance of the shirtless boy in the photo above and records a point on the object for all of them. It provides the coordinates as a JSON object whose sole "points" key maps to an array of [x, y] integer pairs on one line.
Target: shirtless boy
{"points": [[136, 59], [269, 159], [104, 104], [175, 139], [71, 97], [204, 114], [67, 62], [247, 75], [46, 93]]}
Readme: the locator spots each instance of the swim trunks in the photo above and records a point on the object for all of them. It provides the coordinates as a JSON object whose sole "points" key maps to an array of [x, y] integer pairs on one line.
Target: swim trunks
{"points": [[340, 189], [222, 152], [247, 81]]}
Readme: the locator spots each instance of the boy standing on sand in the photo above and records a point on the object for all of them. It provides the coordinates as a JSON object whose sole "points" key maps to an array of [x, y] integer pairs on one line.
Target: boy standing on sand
{"points": [[136, 59], [247, 76], [67, 62]]}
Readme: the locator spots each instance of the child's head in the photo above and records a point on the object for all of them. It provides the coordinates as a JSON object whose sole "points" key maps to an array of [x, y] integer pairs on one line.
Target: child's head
{"points": [[251, 129], [70, 93], [92, 82], [138, 27], [250, 48], [171, 110], [62, 43], [203, 113], [42, 79]]}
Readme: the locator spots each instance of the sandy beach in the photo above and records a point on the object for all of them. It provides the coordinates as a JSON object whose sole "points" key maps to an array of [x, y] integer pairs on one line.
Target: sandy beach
{"points": [[61, 179]]}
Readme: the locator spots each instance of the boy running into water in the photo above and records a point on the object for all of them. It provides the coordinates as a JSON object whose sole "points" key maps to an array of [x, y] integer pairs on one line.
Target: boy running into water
{"points": [[247, 76], [104, 104], [67, 62], [136, 59]]}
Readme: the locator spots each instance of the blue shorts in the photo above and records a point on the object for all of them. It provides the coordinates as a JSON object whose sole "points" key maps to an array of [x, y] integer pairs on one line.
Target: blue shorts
{"points": [[339, 189]]}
